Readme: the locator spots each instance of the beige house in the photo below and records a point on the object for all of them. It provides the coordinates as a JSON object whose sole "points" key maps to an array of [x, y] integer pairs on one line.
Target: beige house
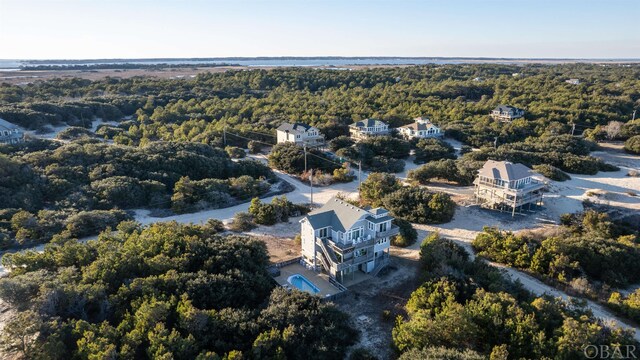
{"points": [[506, 113], [422, 128], [503, 185], [343, 239], [368, 128], [299, 134]]}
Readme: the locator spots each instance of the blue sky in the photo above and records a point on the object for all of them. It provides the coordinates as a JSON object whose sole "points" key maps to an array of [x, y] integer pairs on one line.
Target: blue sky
{"points": [[65, 29]]}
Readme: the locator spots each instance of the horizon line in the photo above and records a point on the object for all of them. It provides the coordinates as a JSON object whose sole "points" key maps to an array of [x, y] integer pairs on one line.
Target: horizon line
{"points": [[327, 57]]}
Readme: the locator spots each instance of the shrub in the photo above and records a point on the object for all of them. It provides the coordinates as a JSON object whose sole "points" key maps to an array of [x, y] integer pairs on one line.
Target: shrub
{"points": [[440, 169], [376, 187], [340, 142], [86, 223], [342, 175], [433, 149], [279, 210], [289, 157], [235, 152], [632, 145], [551, 172], [418, 205], [241, 222], [408, 235], [254, 146], [74, 132]]}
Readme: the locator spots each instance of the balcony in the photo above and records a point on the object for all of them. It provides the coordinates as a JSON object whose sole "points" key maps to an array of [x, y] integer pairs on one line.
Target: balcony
{"points": [[393, 231], [349, 247], [533, 185]]}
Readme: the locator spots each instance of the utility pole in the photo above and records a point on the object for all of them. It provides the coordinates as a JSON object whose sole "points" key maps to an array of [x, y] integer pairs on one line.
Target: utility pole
{"points": [[305, 157], [495, 142], [573, 128], [224, 135], [634, 115], [359, 174], [311, 187]]}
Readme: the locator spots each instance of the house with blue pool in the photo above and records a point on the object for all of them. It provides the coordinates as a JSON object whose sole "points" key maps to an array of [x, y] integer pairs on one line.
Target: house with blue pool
{"points": [[345, 241]]}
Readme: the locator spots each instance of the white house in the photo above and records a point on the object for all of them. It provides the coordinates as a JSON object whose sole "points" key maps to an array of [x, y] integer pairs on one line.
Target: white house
{"points": [[9, 133], [300, 134], [422, 128], [573, 81], [368, 128], [344, 239], [506, 113]]}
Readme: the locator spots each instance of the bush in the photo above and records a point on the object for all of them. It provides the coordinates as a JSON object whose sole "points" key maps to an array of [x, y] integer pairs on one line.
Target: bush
{"points": [[241, 222], [86, 223], [418, 205], [552, 172], [440, 169], [235, 152], [74, 132], [279, 210], [254, 147], [433, 149], [441, 353], [408, 235], [289, 157], [340, 142], [632, 145], [381, 153], [342, 175], [376, 187]]}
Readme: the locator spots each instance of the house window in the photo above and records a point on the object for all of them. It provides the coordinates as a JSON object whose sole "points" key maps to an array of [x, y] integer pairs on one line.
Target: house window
{"points": [[355, 234], [323, 232], [383, 227], [372, 226]]}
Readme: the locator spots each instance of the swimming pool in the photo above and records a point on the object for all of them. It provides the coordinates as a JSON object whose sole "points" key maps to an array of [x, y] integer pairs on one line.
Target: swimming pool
{"points": [[301, 283]]}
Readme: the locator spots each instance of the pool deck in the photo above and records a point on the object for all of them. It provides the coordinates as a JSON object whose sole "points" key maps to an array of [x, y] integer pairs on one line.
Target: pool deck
{"points": [[321, 281]]}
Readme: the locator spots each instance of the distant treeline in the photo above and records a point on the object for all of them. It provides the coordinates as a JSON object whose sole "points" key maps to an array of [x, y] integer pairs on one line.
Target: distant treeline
{"points": [[118, 66]]}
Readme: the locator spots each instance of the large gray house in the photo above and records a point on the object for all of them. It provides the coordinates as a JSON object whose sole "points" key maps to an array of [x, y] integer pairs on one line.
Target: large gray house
{"points": [[9, 133], [343, 239]]}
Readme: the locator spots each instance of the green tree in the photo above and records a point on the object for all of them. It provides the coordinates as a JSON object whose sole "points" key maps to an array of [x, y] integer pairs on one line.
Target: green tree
{"points": [[377, 186]]}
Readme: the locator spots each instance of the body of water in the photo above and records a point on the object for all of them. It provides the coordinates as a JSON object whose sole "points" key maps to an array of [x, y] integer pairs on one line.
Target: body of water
{"points": [[299, 61]]}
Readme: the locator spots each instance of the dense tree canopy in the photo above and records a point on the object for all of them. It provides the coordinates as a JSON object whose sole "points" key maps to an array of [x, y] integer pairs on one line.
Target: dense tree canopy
{"points": [[166, 291], [472, 306], [55, 182], [589, 245]]}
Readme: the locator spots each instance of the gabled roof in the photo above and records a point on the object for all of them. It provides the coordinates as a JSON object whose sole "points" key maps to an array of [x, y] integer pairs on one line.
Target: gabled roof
{"points": [[338, 214], [419, 126], [506, 108], [295, 128], [5, 125], [504, 170], [368, 123]]}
